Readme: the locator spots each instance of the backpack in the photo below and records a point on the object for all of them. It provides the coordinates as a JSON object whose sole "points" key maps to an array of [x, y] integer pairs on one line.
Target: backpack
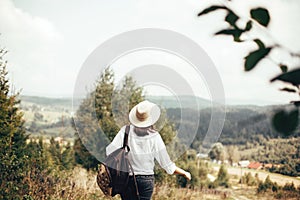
{"points": [[113, 173]]}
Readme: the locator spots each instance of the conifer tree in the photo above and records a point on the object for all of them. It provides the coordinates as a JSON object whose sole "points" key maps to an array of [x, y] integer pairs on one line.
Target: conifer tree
{"points": [[97, 105], [55, 152], [38, 180], [38, 155], [223, 178], [124, 98], [83, 124], [67, 157], [101, 102], [62, 157], [12, 139]]}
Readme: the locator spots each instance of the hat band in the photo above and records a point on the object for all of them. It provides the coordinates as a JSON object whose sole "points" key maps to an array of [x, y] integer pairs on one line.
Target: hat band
{"points": [[141, 116]]}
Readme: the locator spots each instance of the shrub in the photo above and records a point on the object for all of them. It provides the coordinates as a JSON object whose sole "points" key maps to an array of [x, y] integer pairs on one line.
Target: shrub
{"points": [[223, 178], [248, 179]]}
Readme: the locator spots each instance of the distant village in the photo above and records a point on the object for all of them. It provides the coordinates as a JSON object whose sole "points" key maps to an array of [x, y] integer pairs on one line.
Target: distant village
{"points": [[243, 163]]}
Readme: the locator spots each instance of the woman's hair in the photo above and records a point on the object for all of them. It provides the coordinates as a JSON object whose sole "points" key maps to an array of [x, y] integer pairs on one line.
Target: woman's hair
{"points": [[144, 131]]}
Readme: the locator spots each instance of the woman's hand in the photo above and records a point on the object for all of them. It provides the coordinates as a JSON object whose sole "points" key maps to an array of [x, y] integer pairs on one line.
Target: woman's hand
{"points": [[187, 175], [183, 173]]}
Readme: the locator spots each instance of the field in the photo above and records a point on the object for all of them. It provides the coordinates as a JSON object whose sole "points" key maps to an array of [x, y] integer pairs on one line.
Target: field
{"points": [[82, 185], [262, 175]]}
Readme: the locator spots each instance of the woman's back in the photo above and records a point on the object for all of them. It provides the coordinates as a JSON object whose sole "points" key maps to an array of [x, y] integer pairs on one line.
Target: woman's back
{"points": [[143, 150]]}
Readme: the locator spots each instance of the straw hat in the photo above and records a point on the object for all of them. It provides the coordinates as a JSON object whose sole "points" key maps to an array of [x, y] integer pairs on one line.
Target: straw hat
{"points": [[144, 114]]}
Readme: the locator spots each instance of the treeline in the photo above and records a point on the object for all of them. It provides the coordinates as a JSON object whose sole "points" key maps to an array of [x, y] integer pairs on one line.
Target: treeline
{"points": [[63, 121], [241, 125], [284, 153], [287, 191], [56, 102], [246, 129]]}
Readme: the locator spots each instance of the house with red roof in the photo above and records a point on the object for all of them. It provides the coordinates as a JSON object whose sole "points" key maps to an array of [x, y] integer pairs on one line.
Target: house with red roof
{"points": [[255, 165]]}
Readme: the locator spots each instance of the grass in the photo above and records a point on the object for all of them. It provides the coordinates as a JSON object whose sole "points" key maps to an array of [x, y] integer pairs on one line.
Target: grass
{"points": [[81, 184]]}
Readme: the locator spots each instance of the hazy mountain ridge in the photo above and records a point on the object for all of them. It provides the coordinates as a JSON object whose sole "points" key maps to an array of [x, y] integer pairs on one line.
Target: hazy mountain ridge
{"points": [[46, 101], [49, 116], [180, 102], [165, 101]]}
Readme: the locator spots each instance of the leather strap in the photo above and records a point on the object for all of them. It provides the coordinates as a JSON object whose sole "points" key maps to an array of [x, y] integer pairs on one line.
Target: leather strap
{"points": [[135, 183], [125, 142]]}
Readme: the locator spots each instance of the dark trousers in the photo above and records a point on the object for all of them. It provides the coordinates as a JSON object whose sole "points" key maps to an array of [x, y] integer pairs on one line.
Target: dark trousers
{"points": [[145, 185]]}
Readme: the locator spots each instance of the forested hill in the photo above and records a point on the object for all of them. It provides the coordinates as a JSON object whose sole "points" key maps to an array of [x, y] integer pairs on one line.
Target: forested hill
{"points": [[47, 101], [180, 102], [243, 123]]}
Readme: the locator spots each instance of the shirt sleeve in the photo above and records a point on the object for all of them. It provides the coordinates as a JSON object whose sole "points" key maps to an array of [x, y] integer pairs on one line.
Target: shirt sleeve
{"points": [[162, 156], [116, 143]]}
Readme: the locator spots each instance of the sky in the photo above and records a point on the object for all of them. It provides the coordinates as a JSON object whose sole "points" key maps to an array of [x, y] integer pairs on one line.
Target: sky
{"points": [[49, 40]]}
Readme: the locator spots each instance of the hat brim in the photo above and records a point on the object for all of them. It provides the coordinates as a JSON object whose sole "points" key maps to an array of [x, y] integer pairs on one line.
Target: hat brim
{"points": [[152, 119]]}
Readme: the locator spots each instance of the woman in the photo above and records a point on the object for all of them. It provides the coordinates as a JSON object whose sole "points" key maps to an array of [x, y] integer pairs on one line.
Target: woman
{"points": [[146, 145]]}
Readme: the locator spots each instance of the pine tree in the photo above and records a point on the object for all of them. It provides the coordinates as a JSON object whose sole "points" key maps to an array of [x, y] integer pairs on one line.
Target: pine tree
{"points": [[67, 157], [124, 98], [38, 179], [55, 152], [102, 100], [12, 139], [37, 155], [89, 137], [83, 125], [268, 183], [223, 178], [62, 157]]}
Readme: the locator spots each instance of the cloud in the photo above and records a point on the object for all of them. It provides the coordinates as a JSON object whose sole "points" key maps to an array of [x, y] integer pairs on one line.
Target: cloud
{"points": [[23, 26], [32, 42]]}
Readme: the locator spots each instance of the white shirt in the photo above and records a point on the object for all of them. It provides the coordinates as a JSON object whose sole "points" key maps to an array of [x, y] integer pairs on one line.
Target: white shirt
{"points": [[143, 151]]}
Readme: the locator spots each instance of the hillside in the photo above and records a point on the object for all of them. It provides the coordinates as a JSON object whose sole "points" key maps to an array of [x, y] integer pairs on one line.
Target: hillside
{"points": [[47, 101], [51, 117]]}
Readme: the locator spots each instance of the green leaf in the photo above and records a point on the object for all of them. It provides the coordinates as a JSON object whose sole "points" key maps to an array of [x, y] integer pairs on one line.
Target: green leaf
{"points": [[261, 15], [283, 68], [254, 57], [259, 43], [292, 77], [286, 122], [231, 18], [210, 9], [248, 26], [286, 89], [296, 103], [236, 33]]}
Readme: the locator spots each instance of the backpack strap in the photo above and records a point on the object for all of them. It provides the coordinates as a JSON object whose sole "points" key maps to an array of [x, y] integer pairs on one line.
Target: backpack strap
{"points": [[125, 142], [135, 183]]}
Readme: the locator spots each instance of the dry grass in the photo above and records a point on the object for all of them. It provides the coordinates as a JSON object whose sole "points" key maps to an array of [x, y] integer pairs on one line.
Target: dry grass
{"points": [[81, 185], [166, 193]]}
